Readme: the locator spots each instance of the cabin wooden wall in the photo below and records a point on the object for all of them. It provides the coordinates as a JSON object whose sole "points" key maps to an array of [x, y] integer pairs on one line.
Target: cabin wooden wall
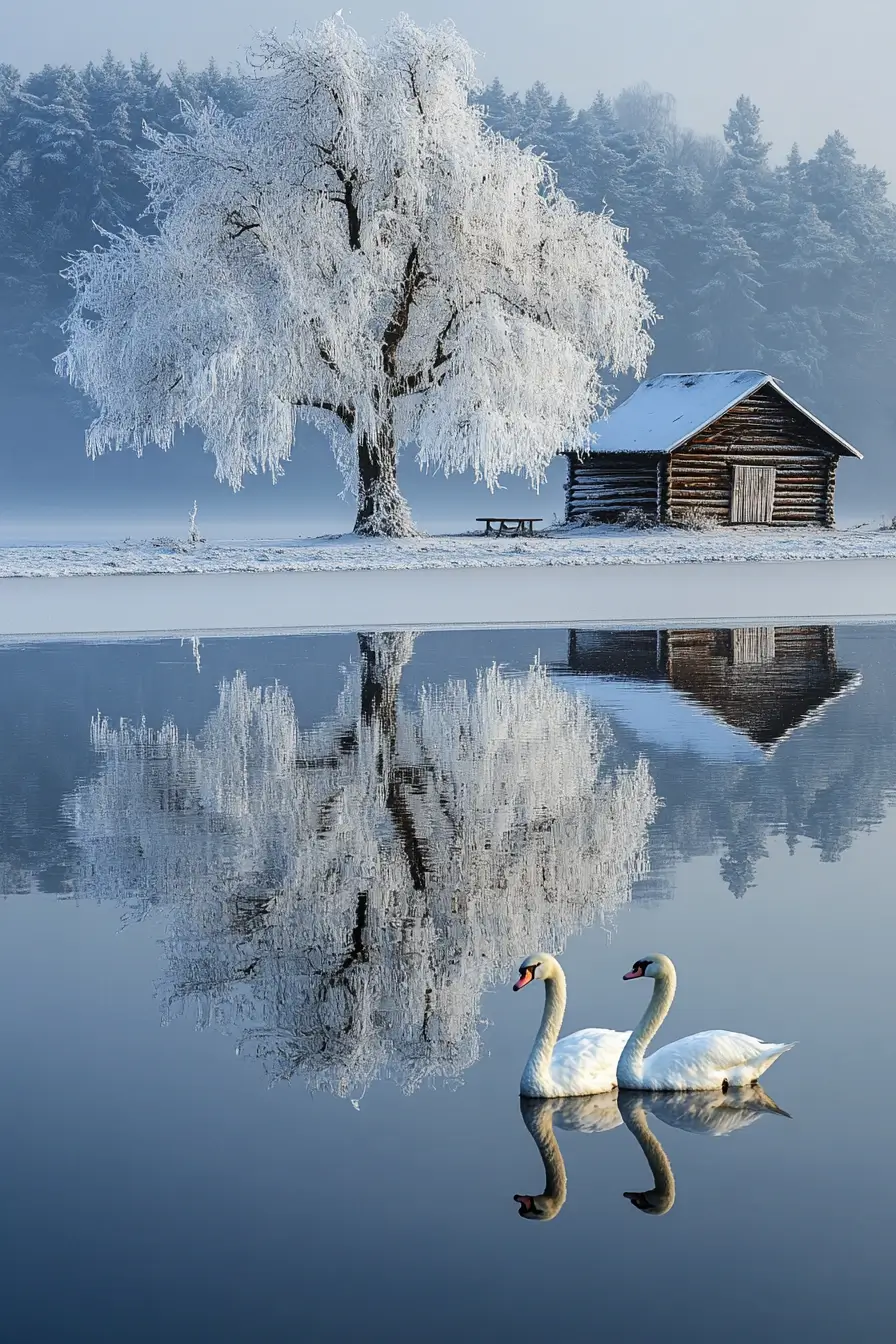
{"points": [[764, 430], [601, 487]]}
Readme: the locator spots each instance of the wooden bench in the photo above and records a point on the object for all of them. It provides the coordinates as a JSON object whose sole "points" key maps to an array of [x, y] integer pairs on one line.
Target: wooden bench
{"points": [[509, 527]]}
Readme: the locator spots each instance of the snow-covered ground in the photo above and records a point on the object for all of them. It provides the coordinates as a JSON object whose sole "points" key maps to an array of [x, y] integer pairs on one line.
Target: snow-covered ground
{"points": [[649, 596], [592, 546]]}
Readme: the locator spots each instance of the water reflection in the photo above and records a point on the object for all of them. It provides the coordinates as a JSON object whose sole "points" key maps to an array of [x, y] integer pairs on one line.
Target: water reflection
{"points": [[762, 683], [710, 1113], [830, 778], [341, 896], [588, 1115], [711, 709]]}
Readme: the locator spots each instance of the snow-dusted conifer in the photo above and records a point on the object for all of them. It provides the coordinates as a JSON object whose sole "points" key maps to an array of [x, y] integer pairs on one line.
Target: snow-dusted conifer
{"points": [[359, 251]]}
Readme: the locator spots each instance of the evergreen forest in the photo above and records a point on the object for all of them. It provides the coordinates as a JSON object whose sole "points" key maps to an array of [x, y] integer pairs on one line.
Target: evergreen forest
{"points": [[788, 267]]}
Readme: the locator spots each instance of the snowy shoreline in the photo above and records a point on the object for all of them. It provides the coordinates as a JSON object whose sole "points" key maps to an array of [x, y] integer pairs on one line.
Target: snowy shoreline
{"points": [[648, 596], [560, 547]]}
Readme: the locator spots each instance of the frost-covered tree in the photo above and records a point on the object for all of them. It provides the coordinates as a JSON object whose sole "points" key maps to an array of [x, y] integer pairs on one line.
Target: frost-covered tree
{"points": [[341, 896], [359, 251]]}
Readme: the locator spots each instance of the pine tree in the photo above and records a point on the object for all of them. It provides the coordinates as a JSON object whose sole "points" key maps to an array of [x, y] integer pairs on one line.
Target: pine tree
{"points": [[742, 223], [860, 295]]}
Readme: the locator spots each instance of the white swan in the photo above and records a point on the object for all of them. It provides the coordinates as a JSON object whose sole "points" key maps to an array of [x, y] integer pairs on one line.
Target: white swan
{"points": [[581, 1064], [697, 1063]]}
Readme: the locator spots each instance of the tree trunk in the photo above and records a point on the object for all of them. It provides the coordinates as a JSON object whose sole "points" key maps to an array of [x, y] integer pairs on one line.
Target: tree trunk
{"points": [[382, 512]]}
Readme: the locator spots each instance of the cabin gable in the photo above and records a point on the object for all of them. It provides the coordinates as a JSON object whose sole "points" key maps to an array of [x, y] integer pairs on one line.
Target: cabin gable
{"points": [[763, 431]]}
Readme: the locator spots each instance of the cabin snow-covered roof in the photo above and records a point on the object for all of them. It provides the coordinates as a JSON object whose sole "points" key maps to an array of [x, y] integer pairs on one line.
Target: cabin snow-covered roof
{"points": [[666, 411]]}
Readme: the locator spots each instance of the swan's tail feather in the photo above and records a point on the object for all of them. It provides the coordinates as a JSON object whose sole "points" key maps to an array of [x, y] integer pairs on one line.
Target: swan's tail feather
{"points": [[767, 1057]]}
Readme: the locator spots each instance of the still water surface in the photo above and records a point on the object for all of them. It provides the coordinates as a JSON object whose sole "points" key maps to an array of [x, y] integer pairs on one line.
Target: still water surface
{"points": [[263, 901]]}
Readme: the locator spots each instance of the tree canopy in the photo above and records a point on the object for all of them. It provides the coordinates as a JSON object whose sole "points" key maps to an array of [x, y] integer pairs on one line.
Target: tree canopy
{"points": [[359, 250]]}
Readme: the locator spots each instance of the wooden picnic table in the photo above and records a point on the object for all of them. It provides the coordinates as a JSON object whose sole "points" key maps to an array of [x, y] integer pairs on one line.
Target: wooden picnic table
{"points": [[522, 527]]}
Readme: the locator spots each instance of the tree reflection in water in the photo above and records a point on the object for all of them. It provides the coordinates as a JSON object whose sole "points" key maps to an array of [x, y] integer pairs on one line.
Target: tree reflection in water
{"points": [[341, 897]]}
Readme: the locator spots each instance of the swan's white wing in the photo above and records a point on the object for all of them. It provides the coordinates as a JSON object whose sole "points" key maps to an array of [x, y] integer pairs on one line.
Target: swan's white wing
{"points": [[585, 1061], [708, 1059]]}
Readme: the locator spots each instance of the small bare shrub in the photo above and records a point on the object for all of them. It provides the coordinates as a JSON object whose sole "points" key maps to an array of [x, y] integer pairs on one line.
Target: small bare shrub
{"points": [[194, 537], [694, 520], [637, 520]]}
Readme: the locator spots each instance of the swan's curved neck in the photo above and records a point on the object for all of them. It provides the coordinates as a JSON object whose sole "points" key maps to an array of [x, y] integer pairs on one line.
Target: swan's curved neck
{"points": [[661, 1198], [537, 1073], [630, 1070], [539, 1120]]}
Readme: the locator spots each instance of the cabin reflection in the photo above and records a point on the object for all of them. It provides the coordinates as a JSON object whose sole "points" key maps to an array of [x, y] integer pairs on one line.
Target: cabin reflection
{"points": [[764, 682]]}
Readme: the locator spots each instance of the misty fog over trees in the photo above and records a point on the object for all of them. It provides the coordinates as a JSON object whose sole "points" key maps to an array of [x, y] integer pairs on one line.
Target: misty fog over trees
{"points": [[790, 268]]}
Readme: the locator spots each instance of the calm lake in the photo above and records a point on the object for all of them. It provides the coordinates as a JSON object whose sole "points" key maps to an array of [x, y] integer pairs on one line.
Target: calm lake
{"points": [[261, 904]]}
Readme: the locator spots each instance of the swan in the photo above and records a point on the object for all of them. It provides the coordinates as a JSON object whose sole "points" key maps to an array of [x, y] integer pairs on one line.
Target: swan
{"points": [[589, 1115], [699, 1063], [579, 1065]]}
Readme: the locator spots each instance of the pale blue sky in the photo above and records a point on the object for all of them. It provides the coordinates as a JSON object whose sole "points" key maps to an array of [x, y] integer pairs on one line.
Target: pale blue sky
{"points": [[812, 65]]}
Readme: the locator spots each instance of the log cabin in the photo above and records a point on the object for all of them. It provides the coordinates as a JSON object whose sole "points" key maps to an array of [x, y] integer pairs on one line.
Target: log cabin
{"points": [[730, 448]]}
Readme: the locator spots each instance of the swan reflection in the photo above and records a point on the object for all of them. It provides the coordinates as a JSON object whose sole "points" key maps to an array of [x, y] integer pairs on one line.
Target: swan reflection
{"points": [[714, 1114], [340, 896], [711, 1113], [589, 1115]]}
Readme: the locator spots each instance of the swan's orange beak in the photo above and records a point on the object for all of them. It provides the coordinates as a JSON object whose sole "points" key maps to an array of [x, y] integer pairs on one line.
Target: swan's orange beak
{"points": [[526, 1203], [634, 974], [525, 977]]}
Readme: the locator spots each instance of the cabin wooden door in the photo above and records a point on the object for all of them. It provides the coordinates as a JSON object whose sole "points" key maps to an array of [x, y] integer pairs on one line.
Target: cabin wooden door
{"points": [[752, 494]]}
